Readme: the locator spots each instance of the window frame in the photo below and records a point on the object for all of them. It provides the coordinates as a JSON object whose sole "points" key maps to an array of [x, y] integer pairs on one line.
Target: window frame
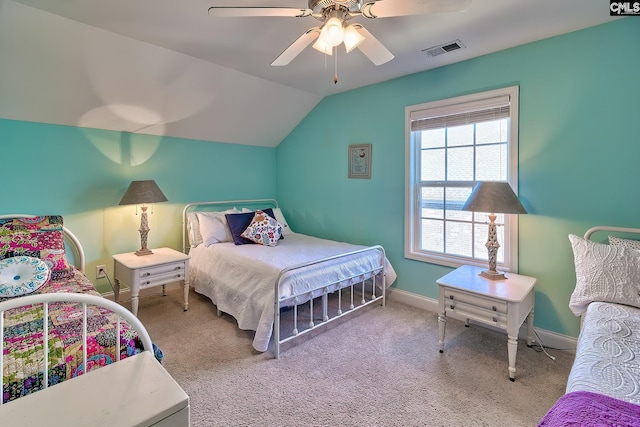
{"points": [[412, 240]]}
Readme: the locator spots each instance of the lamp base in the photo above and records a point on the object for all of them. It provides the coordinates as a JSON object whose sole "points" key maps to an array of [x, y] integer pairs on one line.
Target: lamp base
{"points": [[143, 251], [492, 275]]}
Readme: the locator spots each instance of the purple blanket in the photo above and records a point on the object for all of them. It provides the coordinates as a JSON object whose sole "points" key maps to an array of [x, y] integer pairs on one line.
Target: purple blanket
{"points": [[586, 409]]}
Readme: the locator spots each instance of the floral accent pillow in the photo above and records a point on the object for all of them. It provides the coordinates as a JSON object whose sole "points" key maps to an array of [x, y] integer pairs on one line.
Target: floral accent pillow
{"points": [[40, 237], [263, 229], [605, 273]]}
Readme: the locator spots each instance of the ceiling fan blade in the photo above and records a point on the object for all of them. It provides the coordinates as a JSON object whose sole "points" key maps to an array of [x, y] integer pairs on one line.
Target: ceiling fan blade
{"points": [[296, 47], [372, 48], [388, 8], [232, 11]]}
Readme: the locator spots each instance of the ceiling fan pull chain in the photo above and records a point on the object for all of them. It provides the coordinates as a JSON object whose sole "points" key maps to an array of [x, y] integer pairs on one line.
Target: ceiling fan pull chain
{"points": [[335, 75]]}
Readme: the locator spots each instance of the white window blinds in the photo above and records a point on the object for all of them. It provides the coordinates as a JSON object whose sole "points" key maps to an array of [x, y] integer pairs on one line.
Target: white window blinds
{"points": [[457, 115]]}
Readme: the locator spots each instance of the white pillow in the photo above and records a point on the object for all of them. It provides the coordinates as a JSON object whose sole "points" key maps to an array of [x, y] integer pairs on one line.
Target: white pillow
{"points": [[605, 273], [627, 243], [193, 227], [214, 227], [283, 222]]}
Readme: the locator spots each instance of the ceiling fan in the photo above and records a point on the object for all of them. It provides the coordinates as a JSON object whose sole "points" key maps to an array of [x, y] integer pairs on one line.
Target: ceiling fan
{"points": [[334, 16]]}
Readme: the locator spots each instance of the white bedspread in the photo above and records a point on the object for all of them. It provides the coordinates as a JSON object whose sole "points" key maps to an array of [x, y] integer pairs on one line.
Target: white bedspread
{"points": [[608, 356], [241, 280]]}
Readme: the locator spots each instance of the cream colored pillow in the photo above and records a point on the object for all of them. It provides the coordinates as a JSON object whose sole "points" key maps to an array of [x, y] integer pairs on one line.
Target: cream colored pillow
{"points": [[283, 222], [605, 273], [214, 228], [627, 243]]}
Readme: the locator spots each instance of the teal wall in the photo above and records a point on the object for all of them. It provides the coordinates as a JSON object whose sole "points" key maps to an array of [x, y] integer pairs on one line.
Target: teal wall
{"points": [[579, 150], [82, 174]]}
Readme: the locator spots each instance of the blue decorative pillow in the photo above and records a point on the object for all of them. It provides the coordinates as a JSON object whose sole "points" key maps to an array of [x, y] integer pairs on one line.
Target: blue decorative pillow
{"points": [[263, 229], [238, 222]]}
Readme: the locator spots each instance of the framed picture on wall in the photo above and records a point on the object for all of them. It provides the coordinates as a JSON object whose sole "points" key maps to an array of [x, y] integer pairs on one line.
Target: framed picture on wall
{"points": [[360, 161]]}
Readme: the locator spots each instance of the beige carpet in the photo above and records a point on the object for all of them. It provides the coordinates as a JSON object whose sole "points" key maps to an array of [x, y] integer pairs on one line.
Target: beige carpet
{"points": [[379, 368]]}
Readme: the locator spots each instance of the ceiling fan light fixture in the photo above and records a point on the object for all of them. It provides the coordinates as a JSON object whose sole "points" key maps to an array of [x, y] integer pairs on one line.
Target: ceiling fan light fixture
{"points": [[332, 32], [322, 47], [352, 38]]}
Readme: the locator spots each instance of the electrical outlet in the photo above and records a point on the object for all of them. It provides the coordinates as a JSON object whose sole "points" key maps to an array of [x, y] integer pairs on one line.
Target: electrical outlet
{"points": [[101, 271]]}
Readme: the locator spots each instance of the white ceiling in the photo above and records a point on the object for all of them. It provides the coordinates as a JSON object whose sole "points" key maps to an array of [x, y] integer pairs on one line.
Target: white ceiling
{"points": [[250, 44], [166, 68]]}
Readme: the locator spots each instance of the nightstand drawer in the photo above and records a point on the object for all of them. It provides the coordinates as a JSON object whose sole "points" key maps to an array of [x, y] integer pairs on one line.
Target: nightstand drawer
{"points": [[476, 313], [161, 279], [161, 270], [489, 304]]}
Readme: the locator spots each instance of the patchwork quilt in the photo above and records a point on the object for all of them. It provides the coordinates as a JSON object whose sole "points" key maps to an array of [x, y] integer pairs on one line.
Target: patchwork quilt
{"points": [[23, 347]]}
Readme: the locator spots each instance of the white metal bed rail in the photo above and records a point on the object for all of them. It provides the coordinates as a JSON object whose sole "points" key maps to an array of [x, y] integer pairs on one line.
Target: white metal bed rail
{"points": [[86, 300], [323, 291], [592, 230]]}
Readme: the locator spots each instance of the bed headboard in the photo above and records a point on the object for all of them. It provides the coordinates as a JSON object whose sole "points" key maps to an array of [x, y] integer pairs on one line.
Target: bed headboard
{"points": [[71, 242], [589, 233], [219, 206]]}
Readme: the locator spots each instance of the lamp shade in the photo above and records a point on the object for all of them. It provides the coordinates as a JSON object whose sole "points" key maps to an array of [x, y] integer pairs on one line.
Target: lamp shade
{"points": [[321, 46], [352, 38], [140, 192], [332, 32], [494, 197]]}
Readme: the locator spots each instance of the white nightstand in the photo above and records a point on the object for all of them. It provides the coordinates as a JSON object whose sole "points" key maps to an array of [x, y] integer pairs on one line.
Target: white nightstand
{"points": [[162, 267], [504, 304]]}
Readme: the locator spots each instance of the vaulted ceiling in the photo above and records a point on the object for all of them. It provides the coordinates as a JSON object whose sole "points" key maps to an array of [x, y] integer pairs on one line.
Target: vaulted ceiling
{"points": [[247, 46]]}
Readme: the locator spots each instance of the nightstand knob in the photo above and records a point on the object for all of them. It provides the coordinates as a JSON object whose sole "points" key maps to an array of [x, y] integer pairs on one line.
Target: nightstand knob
{"points": [[148, 281], [495, 319], [452, 307], [147, 274], [494, 308], [450, 296]]}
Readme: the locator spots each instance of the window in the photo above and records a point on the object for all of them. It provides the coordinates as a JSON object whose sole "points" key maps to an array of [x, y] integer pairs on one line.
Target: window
{"points": [[450, 146]]}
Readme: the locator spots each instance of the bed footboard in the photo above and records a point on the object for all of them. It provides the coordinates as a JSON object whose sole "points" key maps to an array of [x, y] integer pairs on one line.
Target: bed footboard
{"points": [[360, 289], [86, 301]]}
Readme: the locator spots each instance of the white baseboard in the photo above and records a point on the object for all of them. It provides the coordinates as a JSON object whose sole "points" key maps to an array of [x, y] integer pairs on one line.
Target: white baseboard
{"points": [[548, 338]]}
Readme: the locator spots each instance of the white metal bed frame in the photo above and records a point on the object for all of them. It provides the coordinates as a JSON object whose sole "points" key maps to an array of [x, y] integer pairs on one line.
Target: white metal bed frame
{"points": [[592, 230], [308, 296], [85, 299]]}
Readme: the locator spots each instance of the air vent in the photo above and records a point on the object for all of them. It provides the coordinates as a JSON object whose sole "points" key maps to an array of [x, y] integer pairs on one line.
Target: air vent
{"points": [[443, 48]]}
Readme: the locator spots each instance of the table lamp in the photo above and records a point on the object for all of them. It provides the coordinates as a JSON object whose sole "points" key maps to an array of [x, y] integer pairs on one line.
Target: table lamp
{"points": [[493, 197], [141, 193]]}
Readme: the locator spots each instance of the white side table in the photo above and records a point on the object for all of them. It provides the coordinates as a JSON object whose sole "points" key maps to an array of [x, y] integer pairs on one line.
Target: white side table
{"points": [[504, 304], [164, 266]]}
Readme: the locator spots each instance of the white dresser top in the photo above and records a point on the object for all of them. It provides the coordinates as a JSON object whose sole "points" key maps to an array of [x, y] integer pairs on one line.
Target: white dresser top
{"points": [[158, 257], [136, 391], [467, 278]]}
